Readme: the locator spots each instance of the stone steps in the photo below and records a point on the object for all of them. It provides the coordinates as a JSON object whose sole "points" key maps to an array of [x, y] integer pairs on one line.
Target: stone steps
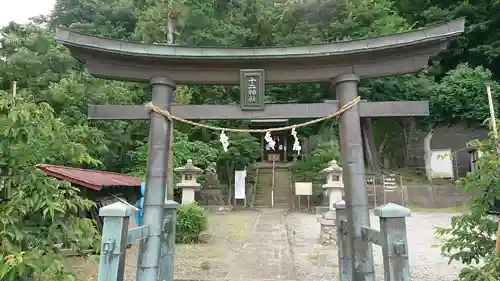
{"points": [[263, 195]]}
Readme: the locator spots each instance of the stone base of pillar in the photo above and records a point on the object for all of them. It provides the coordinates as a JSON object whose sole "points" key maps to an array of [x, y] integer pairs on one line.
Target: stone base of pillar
{"points": [[319, 210], [328, 232]]}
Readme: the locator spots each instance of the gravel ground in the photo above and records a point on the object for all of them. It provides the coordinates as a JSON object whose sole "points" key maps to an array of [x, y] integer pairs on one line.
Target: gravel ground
{"points": [[269, 245], [228, 233], [314, 262]]}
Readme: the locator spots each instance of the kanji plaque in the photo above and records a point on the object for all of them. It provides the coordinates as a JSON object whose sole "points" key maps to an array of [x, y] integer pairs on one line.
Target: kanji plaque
{"points": [[252, 89]]}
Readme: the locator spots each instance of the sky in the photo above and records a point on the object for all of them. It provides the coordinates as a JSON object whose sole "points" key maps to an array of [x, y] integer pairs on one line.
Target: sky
{"points": [[21, 10]]}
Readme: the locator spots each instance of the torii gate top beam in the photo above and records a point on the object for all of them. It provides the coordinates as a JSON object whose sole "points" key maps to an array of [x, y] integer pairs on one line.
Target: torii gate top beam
{"points": [[373, 57]]}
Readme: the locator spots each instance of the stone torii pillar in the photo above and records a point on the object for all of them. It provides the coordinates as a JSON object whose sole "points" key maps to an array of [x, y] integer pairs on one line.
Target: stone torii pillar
{"points": [[154, 197], [356, 197]]}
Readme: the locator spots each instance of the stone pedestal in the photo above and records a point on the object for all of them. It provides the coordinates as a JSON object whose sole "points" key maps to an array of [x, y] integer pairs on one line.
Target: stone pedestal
{"points": [[334, 193], [328, 232], [187, 195], [324, 207]]}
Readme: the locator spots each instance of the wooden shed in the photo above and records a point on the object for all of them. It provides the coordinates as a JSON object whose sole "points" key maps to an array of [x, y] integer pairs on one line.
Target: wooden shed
{"points": [[102, 187]]}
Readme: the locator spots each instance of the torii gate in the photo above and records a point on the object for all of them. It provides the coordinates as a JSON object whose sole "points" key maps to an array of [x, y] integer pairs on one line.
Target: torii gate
{"points": [[342, 63]]}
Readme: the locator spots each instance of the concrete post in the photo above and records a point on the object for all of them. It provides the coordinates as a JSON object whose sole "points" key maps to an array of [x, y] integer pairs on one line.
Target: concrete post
{"points": [[344, 251], [114, 241], [168, 242], [154, 197], [351, 148], [394, 241]]}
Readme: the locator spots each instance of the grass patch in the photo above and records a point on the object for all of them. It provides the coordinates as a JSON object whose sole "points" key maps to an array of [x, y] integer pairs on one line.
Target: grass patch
{"points": [[457, 209]]}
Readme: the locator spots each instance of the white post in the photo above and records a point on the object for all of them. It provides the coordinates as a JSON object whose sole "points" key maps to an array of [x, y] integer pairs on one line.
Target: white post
{"points": [[492, 112], [272, 187]]}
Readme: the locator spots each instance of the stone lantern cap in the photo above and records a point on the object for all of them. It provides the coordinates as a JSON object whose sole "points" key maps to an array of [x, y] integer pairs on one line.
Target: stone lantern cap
{"points": [[189, 173], [333, 167], [334, 181], [188, 168]]}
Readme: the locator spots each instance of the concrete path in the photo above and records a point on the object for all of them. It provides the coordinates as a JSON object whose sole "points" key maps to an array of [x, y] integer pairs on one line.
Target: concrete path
{"points": [[266, 253]]}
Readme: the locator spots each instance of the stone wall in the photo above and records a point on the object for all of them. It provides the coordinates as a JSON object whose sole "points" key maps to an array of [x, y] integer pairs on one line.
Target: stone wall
{"points": [[218, 196], [420, 195], [454, 137], [426, 196]]}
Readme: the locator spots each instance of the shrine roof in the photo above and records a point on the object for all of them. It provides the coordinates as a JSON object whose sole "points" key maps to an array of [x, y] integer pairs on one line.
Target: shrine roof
{"points": [[371, 57]]}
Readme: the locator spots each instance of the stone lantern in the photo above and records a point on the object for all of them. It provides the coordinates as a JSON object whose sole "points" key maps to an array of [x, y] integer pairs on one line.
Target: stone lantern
{"points": [[188, 183], [334, 186]]}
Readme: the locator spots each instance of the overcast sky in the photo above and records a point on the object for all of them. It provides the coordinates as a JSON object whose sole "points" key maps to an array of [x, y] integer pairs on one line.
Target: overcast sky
{"points": [[21, 10]]}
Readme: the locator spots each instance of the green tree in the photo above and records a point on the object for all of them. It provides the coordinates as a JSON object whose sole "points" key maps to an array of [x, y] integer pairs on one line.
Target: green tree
{"points": [[471, 237], [200, 152], [478, 46], [39, 214], [243, 151], [460, 96], [45, 72], [310, 169]]}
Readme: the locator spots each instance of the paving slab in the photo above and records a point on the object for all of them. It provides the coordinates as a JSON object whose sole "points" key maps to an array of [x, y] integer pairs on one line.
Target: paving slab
{"points": [[266, 253]]}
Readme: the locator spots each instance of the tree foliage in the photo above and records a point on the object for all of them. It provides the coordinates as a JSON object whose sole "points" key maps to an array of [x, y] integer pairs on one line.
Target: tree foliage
{"points": [[243, 150], [310, 169], [471, 237], [202, 154], [39, 214]]}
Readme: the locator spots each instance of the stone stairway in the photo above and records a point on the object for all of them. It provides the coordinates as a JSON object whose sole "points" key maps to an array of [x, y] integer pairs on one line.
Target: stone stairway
{"points": [[263, 197]]}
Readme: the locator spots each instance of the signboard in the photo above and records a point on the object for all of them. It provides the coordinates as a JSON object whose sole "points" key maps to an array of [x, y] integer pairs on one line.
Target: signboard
{"points": [[239, 184], [303, 188], [252, 89], [441, 164], [389, 183]]}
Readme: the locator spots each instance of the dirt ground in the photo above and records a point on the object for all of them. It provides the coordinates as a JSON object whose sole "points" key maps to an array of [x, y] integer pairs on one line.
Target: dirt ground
{"points": [[228, 233], [274, 245]]}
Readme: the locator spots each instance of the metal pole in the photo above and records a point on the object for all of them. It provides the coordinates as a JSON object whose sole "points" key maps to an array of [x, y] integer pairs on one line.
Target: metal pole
{"points": [[154, 197], [272, 188], [351, 147], [344, 252], [393, 241], [168, 243]]}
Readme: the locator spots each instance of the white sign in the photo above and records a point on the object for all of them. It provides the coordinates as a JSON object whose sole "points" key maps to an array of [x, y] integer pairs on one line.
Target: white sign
{"points": [[390, 182], [441, 164], [239, 184], [303, 188]]}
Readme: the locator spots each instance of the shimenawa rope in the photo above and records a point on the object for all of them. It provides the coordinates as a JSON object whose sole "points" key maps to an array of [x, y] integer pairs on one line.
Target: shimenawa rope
{"points": [[150, 106]]}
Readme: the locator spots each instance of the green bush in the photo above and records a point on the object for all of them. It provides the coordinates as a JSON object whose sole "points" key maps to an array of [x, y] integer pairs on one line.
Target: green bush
{"points": [[191, 221], [310, 169], [471, 237], [489, 271]]}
